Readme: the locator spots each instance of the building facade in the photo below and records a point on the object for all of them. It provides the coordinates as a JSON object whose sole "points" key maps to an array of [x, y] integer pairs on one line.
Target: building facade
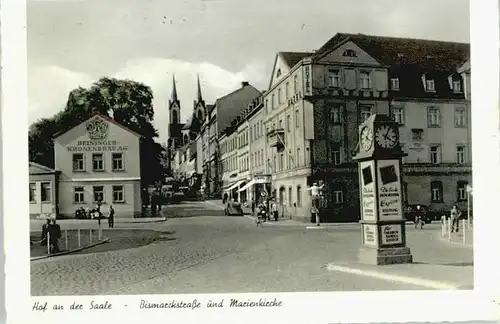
{"points": [[316, 101], [99, 160], [43, 184]]}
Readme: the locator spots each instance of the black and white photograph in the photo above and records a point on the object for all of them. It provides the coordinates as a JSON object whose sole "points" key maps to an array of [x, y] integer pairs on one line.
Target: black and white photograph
{"points": [[248, 147]]}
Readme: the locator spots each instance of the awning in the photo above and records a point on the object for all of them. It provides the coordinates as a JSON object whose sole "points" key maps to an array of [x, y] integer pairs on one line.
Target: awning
{"points": [[248, 185], [237, 184]]}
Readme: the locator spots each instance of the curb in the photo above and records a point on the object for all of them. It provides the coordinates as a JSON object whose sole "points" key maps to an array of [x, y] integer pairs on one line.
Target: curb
{"points": [[431, 284], [160, 220], [105, 240]]}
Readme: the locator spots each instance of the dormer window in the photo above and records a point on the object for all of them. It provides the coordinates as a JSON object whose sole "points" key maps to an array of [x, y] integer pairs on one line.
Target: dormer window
{"points": [[278, 73], [349, 53], [395, 84], [457, 86], [429, 85]]}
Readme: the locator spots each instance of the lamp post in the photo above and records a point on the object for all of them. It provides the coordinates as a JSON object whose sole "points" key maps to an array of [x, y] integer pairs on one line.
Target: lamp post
{"points": [[469, 193]]}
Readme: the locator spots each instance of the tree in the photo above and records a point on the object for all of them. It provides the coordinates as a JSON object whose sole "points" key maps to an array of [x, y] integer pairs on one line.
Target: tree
{"points": [[128, 102]]}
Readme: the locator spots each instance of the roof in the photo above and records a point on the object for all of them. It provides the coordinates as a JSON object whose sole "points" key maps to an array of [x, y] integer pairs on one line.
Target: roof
{"points": [[230, 106], [393, 51], [41, 167], [292, 58], [210, 108], [111, 120]]}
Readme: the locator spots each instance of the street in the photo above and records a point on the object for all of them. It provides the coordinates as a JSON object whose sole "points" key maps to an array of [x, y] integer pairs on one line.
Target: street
{"points": [[227, 254]]}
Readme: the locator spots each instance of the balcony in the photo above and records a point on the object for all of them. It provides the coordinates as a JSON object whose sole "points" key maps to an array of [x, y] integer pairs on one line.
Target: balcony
{"points": [[276, 138]]}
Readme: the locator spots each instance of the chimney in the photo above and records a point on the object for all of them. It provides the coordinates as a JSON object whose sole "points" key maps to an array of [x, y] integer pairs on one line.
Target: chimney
{"points": [[244, 83]]}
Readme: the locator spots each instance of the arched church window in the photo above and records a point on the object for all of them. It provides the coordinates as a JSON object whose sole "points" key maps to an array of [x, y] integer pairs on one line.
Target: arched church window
{"points": [[186, 139], [175, 117], [200, 115]]}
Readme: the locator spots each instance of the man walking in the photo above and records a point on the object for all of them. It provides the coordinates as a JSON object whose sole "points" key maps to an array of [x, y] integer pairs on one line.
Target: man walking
{"points": [[111, 217], [455, 214]]}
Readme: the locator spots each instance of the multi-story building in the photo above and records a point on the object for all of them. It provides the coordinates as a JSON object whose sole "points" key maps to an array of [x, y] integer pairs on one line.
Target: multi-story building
{"points": [[316, 101], [228, 146], [221, 114], [98, 160]]}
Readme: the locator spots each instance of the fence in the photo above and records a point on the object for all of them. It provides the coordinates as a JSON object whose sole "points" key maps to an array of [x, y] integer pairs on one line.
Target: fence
{"points": [[447, 228], [75, 239]]}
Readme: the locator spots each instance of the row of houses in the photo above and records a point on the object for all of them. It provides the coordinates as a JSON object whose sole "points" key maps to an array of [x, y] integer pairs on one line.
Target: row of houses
{"points": [[304, 127]]}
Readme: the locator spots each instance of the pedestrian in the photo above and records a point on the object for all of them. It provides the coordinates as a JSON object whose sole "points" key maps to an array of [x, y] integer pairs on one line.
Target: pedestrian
{"points": [[111, 217], [455, 214], [98, 211], [45, 231], [315, 213], [419, 217], [316, 193], [253, 206], [275, 210], [54, 236]]}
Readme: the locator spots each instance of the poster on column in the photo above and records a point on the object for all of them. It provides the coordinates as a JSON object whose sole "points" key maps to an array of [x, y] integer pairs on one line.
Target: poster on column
{"points": [[389, 190], [369, 207]]}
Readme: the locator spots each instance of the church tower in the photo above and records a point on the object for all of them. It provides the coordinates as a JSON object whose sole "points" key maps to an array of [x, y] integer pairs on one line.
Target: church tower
{"points": [[175, 126]]}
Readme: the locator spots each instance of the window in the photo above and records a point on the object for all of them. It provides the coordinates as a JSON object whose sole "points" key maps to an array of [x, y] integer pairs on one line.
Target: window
{"points": [[78, 195], [290, 196], [349, 53], [282, 162], [436, 191], [461, 190], [262, 156], [365, 80], [288, 122], [261, 128], [457, 86], [267, 105], [46, 192], [78, 162], [280, 123], [295, 83], [433, 116], [175, 117], [398, 115], [429, 85], [251, 133], [274, 164], [98, 193], [333, 78], [118, 196], [460, 120], [395, 84], [336, 114], [273, 99], [366, 112], [287, 90], [308, 156], [280, 97], [336, 155], [338, 196], [298, 163], [297, 118], [460, 154], [117, 161], [435, 154], [98, 162], [32, 192], [299, 196]]}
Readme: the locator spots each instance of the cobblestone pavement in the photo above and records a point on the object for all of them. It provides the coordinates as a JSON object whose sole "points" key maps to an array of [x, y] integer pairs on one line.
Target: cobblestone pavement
{"points": [[218, 254]]}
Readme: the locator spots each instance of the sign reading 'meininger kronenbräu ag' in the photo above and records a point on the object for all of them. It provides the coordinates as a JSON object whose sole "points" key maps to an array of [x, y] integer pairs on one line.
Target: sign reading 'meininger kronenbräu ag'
{"points": [[97, 146]]}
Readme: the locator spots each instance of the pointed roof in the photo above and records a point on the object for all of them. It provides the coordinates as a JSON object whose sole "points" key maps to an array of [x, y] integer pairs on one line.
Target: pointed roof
{"points": [[292, 58], [173, 97], [36, 168], [200, 98]]}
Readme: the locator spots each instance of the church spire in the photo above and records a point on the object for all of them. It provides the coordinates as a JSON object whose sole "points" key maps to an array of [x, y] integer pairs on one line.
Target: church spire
{"points": [[200, 99], [173, 97]]}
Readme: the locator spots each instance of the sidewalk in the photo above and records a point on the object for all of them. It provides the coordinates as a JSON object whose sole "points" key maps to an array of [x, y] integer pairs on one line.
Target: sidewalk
{"points": [[436, 264]]}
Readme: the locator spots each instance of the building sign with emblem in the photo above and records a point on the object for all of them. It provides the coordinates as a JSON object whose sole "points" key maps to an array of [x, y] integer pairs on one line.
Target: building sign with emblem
{"points": [[97, 132]]}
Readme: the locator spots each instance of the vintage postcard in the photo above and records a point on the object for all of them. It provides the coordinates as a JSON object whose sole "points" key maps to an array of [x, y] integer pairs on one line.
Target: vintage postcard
{"points": [[242, 161]]}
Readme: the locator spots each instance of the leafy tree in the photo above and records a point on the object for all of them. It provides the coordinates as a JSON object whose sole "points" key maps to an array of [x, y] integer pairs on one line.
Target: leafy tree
{"points": [[128, 102]]}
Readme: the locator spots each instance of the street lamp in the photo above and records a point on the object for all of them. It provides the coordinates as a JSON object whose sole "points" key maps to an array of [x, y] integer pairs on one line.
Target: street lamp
{"points": [[469, 193]]}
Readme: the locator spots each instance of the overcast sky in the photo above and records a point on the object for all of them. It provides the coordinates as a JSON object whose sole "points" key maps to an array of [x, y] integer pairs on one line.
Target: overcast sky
{"points": [[75, 42]]}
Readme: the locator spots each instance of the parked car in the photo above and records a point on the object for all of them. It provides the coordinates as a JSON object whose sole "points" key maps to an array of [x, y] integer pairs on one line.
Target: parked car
{"points": [[233, 208], [177, 197], [411, 213]]}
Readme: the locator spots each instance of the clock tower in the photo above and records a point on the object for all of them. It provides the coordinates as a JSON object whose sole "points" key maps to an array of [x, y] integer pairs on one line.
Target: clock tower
{"points": [[382, 219]]}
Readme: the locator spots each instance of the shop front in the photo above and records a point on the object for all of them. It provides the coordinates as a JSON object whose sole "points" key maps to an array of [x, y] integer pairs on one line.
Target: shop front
{"points": [[258, 187]]}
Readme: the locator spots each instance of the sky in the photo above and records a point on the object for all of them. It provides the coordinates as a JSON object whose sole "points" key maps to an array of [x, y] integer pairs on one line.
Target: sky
{"points": [[73, 43]]}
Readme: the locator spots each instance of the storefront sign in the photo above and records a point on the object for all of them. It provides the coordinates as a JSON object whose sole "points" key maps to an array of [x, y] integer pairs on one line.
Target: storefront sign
{"points": [[391, 234], [97, 146], [389, 190], [307, 79], [370, 236], [369, 208]]}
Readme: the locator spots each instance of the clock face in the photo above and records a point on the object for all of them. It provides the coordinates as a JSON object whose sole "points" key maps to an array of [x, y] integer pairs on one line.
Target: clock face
{"points": [[366, 138], [386, 136]]}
